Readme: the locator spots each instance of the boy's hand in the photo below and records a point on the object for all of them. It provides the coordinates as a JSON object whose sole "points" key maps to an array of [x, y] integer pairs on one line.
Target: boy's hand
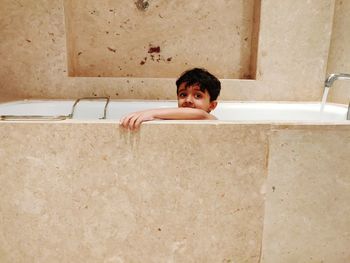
{"points": [[134, 120]]}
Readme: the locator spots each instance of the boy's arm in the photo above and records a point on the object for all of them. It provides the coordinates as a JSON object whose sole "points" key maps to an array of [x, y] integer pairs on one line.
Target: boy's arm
{"points": [[134, 120]]}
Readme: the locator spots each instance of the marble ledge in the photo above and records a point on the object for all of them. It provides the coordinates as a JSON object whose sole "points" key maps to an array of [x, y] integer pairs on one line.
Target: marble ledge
{"points": [[266, 125]]}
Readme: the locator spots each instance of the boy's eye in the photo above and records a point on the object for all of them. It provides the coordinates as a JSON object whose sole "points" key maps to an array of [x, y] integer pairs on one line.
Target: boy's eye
{"points": [[198, 95], [182, 94]]}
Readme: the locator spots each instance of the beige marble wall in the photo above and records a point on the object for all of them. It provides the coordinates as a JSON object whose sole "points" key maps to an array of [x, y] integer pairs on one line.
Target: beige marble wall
{"points": [[339, 55], [292, 56], [293, 48], [159, 38], [213, 192], [90, 192], [307, 215]]}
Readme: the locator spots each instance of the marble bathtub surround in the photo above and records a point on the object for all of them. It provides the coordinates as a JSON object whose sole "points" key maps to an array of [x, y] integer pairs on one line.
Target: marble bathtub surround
{"points": [[307, 218], [92, 192]]}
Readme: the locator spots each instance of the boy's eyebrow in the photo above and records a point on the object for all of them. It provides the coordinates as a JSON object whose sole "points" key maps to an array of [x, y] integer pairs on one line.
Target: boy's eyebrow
{"points": [[196, 87]]}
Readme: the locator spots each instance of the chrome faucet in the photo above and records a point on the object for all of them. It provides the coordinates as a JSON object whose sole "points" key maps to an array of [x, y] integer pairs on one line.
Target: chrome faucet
{"points": [[333, 77], [330, 80]]}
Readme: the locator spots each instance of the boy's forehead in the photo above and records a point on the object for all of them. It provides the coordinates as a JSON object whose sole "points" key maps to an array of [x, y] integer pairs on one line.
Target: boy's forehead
{"points": [[184, 86]]}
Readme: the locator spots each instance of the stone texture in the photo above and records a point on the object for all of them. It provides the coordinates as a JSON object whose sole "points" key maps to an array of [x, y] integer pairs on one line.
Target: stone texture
{"points": [[174, 192], [159, 38], [90, 192], [293, 48], [307, 213], [339, 54], [292, 56]]}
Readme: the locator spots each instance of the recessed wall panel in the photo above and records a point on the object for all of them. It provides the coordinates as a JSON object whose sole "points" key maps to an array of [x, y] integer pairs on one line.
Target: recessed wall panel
{"points": [[159, 38]]}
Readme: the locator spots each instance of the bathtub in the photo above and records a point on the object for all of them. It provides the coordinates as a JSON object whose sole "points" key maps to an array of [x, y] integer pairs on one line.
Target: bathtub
{"points": [[265, 176], [95, 109]]}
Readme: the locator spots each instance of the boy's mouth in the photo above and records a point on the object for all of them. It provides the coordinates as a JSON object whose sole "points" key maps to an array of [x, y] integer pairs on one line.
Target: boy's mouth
{"points": [[187, 106]]}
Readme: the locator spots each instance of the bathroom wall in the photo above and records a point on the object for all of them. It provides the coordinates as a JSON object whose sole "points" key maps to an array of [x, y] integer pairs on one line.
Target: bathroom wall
{"points": [[290, 57], [92, 192], [339, 56], [307, 216], [159, 38]]}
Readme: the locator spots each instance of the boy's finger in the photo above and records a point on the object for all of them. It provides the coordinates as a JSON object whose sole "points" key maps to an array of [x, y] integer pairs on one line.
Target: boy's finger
{"points": [[138, 122], [132, 122], [121, 121], [126, 121]]}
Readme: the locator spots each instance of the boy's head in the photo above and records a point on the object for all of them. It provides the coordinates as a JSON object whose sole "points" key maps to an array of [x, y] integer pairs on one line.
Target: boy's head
{"points": [[197, 88]]}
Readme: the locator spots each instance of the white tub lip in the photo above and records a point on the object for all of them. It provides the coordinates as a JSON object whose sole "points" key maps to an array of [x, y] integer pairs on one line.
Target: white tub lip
{"points": [[175, 101], [213, 122], [272, 123], [170, 100]]}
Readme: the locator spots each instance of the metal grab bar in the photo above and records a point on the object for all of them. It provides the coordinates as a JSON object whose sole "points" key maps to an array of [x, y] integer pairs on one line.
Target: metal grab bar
{"points": [[70, 116], [32, 117], [55, 117]]}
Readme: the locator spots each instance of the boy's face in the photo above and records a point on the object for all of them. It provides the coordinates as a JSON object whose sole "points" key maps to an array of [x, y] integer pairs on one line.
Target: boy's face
{"points": [[193, 97]]}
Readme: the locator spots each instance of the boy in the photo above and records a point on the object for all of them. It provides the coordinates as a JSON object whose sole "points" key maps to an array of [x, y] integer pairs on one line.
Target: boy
{"points": [[197, 92]]}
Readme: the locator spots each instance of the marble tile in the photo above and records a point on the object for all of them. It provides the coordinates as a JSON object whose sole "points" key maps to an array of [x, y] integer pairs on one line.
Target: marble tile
{"points": [[89, 192], [291, 59], [307, 215], [158, 38], [177, 192], [339, 54]]}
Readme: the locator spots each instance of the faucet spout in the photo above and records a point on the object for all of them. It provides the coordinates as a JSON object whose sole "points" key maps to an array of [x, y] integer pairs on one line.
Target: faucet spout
{"points": [[333, 77], [329, 82]]}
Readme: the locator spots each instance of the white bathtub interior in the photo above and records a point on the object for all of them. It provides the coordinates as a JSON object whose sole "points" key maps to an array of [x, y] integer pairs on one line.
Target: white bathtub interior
{"points": [[225, 111]]}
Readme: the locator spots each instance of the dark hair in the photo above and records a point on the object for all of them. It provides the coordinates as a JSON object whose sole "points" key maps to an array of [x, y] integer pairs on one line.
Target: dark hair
{"points": [[202, 78]]}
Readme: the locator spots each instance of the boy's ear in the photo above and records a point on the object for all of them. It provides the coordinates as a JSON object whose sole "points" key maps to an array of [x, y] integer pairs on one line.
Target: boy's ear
{"points": [[212, 105]]}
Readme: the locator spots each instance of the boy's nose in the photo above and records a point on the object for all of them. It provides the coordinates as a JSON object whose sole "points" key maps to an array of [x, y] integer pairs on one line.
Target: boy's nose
{"points": [[189, 99]]}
